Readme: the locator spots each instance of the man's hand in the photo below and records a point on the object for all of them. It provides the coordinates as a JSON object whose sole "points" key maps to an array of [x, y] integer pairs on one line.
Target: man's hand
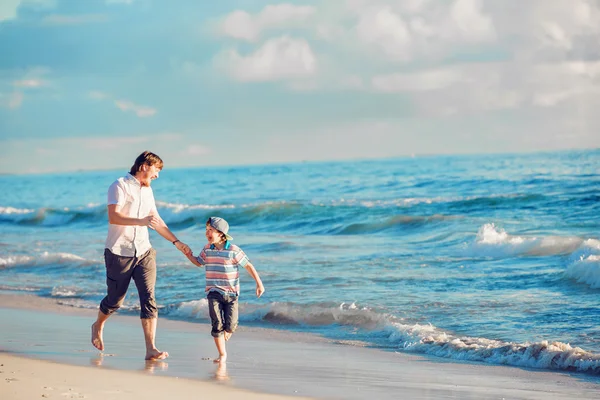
{"points": [[150, 221], [184, 248], [260, 289]]}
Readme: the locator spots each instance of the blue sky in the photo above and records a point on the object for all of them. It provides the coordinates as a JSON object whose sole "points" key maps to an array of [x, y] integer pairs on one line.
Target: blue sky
{"points": [[89, 84]]}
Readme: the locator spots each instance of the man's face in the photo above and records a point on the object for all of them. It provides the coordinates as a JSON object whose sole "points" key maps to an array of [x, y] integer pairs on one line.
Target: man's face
{"points": [[148, 174]]}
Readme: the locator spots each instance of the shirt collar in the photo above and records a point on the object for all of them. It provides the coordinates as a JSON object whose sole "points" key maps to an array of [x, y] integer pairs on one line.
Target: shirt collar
{"points": [[132, 179], [226, 247]]}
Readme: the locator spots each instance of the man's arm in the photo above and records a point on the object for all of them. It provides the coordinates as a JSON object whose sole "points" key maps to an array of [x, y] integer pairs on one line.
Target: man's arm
{"points": [[260, 289], [163, 230], [115, 217]]}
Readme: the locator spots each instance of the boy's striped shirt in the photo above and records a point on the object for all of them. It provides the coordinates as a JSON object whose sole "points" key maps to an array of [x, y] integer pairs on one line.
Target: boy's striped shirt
{"points": [[223, 268]]}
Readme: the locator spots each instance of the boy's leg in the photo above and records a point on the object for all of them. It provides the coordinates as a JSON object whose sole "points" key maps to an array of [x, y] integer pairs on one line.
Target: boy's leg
{"points": [[220, 343], [215, 310], [118, 275], [230, 315]]}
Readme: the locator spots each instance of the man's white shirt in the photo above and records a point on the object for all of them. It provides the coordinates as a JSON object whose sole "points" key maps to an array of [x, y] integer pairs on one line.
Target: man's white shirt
{"points": [[134, 201]]}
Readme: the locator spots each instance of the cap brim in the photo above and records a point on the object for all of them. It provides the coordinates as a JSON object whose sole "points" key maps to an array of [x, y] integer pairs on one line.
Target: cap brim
{"points": [[228, 237]]}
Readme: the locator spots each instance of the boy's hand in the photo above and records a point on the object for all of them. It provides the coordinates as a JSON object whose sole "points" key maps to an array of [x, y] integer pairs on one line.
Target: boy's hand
{"points": [[184, 248], [260, 289]]}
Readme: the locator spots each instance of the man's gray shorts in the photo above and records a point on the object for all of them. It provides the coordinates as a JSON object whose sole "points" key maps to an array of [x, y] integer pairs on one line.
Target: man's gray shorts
{"points": [[223, 312], [119, 272]]}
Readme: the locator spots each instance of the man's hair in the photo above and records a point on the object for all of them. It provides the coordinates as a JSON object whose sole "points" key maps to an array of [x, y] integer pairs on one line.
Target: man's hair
{"points": [[147, 158]]}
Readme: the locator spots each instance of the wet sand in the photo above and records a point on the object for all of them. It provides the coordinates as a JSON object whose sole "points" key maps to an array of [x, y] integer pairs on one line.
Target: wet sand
{"points": [[47, 345]]}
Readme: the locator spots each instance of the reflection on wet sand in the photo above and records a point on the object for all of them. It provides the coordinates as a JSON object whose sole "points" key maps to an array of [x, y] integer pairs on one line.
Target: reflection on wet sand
{"points": [[155, 365], [221, 372]]}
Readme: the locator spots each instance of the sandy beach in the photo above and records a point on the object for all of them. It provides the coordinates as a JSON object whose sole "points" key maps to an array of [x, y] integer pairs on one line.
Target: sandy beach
{"points": [[46, 353], [26, 378]]}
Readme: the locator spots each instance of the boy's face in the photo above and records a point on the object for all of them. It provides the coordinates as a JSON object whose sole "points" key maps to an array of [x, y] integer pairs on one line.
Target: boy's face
{"points": [[212, 235]]}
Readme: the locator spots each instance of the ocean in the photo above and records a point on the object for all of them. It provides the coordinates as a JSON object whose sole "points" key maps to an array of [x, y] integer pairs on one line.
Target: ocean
{"points": [[485, 258]]}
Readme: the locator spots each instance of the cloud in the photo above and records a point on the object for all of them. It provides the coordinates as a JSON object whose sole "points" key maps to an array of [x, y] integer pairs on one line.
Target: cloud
{"points": [[140, 111], [8, 9], [420, 81], [123, 105], [385, 29], [244, 26], [405, 31], [22, 155], [30, 83], [128, 2], [98, 95], [196, 150], [469, 23], [11, 101], [112, 144], [81, 19], [277, 59]]}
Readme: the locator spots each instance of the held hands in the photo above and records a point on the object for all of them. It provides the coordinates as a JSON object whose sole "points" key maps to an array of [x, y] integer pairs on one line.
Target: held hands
{"points": [[184, 248], [260, 289]]}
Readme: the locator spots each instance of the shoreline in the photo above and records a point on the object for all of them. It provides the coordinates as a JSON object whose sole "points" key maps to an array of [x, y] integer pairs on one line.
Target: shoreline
{"points": [[265, 361]]}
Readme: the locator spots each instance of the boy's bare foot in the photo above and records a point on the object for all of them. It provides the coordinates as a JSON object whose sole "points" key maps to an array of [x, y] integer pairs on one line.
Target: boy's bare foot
{"points": [[228, 335], [97, 337], [222, 359], [156, 354]]}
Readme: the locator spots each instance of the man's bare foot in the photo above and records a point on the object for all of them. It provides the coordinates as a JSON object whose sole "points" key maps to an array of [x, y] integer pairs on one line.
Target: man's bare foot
{"points": [[222, 359], [156, 354], [228, 335], [97, 337]]}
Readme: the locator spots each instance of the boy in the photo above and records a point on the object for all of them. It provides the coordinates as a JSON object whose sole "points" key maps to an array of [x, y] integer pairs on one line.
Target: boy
{"points": [[222, 261]]}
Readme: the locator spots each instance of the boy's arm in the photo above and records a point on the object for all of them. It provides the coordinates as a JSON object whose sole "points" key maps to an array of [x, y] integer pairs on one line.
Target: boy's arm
{"points": [[193, 259], [260, 289]]}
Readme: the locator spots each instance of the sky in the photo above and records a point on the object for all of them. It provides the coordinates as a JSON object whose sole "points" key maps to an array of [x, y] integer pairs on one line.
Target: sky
{"points": [[90, 84]]}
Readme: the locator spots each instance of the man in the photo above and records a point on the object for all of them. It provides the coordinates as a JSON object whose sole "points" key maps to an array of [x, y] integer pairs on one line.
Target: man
{"points": [[129, 254]]}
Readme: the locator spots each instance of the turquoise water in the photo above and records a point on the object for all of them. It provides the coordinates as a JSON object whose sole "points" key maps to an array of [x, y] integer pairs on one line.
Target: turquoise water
{"points": [[491, 258]]}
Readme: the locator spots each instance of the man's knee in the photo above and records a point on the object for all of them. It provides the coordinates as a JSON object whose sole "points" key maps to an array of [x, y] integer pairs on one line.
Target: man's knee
{"points": [[148, 308], [108, 307]]}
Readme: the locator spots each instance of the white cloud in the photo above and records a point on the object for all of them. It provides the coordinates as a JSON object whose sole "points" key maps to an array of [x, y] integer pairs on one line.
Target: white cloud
{"points": [[122, 104], [30, 83], [110, 144], [98, 95], [386, 29], [8, 9], [420, 81], [128, 2], [60, 20], [11, 101], [242, 25], [140, 111], [15, 101], [197, 150], [470, 23], [277, 59]]}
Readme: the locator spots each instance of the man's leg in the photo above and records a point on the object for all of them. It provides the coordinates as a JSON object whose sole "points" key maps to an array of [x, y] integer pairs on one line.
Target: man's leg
{"points": [[118, 276], [144, 276], [97, 328], [149, 327]]}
